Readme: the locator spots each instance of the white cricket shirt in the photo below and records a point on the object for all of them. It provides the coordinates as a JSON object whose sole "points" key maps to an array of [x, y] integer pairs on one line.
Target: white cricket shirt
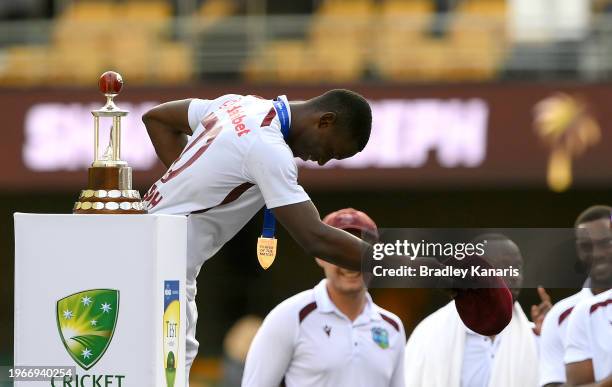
{"points": [[235, 161], [306, 341], [589, 334], [552, 338], [478, 358]]}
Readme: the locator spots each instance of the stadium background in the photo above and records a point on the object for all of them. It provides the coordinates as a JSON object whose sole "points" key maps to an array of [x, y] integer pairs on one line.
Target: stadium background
{"points": [[472, 71]]}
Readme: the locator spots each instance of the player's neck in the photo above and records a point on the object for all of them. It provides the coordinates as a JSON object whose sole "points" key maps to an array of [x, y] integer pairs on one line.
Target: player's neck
{"points": [[299, 112], [350, 304]]}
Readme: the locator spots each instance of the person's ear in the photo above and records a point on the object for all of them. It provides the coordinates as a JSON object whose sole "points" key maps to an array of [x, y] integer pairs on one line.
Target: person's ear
{"points": [[327, 120]]}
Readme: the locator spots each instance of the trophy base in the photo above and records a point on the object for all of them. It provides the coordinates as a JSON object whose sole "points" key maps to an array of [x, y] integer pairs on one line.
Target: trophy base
{"points": [[109, 202], [109, 191]]}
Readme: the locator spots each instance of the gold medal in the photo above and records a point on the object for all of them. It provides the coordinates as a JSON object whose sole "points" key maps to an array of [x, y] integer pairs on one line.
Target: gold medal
{"points": [[266, 244], [266, 251]]}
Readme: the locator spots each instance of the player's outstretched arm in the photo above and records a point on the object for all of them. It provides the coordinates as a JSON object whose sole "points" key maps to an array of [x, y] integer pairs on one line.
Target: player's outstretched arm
{"points": [[339, 247], [168, 128], [303, 222]]}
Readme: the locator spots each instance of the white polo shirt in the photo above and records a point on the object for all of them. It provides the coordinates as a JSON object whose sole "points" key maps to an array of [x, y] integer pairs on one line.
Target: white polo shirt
{"points": [[552, 338], [478, 357], [307, 341], [589, 334]]}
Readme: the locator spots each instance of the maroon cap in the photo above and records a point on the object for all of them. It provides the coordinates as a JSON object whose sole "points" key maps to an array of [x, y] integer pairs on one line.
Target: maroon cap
{"points": [[485, 311], [484, 304], [352, 219]]}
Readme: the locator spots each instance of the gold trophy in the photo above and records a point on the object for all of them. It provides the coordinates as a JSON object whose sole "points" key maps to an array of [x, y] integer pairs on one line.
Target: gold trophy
{"points": [[109, 189]]}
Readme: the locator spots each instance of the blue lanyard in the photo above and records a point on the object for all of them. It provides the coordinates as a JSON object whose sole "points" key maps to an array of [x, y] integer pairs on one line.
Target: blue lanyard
{"points": [[269, 225], [283, 116]]}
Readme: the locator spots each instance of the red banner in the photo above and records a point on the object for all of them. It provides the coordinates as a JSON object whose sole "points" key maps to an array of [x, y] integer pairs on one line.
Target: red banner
{"points": [[460, 136]]}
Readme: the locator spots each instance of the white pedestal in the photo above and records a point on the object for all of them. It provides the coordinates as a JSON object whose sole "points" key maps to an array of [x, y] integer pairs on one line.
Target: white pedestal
{"points": [[90, 292]]}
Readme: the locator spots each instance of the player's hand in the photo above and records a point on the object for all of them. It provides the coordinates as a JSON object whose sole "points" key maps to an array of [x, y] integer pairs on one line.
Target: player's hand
{"points": [[538, 312]]}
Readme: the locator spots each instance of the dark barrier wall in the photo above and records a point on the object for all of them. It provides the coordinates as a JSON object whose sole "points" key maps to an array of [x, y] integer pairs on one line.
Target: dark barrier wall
{"points": [[423, 137]]}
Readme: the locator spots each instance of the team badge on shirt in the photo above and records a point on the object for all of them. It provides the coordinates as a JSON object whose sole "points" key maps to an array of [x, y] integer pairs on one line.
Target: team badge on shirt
{"points": [[380, 337]]}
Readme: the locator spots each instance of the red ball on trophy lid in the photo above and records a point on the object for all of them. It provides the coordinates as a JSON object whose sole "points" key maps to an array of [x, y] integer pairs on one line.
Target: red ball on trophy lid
{"points": [[110, 83]]}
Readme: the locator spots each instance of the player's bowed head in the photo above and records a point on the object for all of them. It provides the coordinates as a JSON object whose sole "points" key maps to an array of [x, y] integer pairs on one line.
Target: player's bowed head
{"points": [[334, 125]]}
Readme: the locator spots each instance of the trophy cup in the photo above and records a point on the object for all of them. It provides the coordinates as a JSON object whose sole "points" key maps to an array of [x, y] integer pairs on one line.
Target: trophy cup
{"points": [[109, 189]]}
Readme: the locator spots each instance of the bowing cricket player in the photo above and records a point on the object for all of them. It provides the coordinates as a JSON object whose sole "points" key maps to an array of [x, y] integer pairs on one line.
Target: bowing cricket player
{"points": [[230, 156]]}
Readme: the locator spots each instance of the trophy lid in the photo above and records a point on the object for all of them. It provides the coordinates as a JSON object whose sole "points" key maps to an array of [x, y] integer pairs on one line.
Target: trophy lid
{"points": [[110, 84]]}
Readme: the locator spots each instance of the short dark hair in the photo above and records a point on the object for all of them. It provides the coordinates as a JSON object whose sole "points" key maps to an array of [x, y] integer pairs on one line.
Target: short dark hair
{"points": [[593, 213], [353, 113]]}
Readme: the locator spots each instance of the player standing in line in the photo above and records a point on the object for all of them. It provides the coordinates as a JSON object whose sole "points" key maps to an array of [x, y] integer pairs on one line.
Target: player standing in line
{"points": [[443, 352], [332, 335], [588, 349], [240, 156], [588, 340], [552, 339]]}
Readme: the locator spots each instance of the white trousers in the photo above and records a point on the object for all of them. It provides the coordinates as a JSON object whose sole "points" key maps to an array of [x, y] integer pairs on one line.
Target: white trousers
{"points": [[191, 347]]}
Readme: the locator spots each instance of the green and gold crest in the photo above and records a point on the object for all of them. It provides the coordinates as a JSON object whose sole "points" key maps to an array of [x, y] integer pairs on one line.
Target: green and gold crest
{"points": [[86, 322]]}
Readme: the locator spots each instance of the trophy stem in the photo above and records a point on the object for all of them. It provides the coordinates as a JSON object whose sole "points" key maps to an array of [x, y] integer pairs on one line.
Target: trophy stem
{"points": [[110, 104], [96, 137], [116, 138]]}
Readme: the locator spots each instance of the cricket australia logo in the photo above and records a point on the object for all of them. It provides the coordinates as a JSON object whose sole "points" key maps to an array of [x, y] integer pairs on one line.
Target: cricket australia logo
{"points": [[86, 322]]}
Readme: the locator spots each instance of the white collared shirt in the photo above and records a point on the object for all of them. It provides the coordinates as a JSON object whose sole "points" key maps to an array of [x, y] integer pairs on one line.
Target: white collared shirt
{"points": [[479, 353], [552, 339], [307, 341], [589, 334], [478, 356]]}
